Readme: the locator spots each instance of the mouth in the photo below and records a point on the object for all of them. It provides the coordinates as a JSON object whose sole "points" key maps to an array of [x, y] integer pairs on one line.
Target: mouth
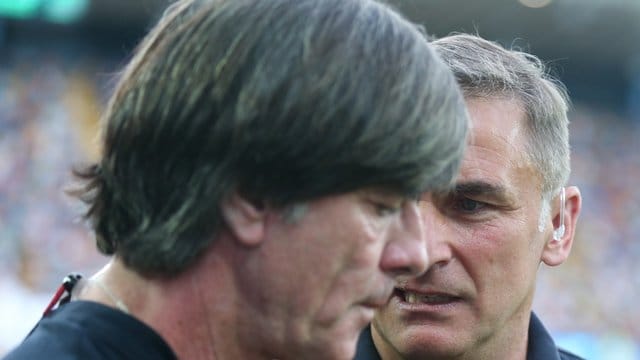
{"points": [[429, 299]]}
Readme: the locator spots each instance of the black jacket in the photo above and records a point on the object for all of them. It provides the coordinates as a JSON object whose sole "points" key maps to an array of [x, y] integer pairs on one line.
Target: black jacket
{"points": [[540, 346], [87, 330]]}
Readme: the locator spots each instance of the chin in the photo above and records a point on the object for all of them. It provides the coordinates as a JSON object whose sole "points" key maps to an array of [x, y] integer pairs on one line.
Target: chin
{"points": [[424, 343], [423, 347]]}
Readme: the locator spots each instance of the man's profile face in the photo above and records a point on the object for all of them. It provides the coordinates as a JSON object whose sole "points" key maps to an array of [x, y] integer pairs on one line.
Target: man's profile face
{"points": [[484, 247], [323, 274]]}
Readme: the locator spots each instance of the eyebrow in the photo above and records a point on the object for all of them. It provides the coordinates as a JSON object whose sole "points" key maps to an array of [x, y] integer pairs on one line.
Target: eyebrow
{"points": [[481, 188]]}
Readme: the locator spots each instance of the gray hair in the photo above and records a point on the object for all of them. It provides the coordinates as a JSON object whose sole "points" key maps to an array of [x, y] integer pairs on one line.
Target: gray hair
{"points": [[281, 101], [486, 69]]}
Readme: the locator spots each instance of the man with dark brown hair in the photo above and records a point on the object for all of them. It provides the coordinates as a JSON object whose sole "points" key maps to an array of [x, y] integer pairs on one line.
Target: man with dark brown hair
{"points": [[258, 183]]}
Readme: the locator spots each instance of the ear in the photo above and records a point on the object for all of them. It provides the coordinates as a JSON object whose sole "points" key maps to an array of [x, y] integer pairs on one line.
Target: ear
{"points": [[245, 220], [556, 251]]}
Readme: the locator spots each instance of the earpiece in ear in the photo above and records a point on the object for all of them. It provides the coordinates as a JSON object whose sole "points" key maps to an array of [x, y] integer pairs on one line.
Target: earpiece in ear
{"points": [[559, 232]]}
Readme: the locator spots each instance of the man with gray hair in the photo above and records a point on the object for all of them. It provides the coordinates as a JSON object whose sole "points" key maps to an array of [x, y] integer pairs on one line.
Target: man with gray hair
{"points": [[259, 181], [509, 212]]}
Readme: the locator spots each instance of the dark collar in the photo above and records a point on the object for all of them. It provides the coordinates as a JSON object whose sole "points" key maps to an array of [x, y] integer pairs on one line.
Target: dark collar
{"points": [[366, 350], [540, 345]]}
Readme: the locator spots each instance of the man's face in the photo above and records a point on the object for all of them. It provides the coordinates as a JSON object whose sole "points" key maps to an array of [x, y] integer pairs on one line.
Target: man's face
{"points": [[484, 247], [322, 275]]}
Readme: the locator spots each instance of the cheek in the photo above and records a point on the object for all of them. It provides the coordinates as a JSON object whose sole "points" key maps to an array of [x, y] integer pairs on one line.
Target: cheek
{"points": [[486, 240], [506, 254], [358, 269], [348, 265], [367, 241], [367, 253], [489, 251]]}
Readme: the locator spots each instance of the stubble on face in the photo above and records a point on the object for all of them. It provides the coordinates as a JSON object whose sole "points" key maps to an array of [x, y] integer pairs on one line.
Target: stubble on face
{"points": [[489, 224]]}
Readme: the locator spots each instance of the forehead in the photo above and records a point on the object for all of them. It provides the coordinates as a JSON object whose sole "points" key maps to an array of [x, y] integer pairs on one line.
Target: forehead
{"points": [[497, 144]]}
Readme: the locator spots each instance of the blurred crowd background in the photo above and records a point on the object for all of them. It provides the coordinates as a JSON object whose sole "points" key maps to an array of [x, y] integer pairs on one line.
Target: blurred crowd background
{"points": [[59, 60]]}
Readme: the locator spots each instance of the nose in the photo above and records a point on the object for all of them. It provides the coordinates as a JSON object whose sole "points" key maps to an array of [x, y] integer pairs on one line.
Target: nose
{"points": [[435, 230], [406, 252]]}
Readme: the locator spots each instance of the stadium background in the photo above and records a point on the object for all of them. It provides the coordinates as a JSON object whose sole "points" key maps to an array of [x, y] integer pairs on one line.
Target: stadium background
{"points": [[59, 59]]}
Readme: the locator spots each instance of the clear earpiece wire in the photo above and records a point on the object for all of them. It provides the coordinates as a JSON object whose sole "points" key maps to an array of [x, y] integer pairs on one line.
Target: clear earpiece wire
{"points": [[559, 232]]}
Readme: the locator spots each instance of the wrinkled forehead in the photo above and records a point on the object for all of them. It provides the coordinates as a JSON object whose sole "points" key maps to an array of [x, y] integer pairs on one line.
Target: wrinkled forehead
{"points": [[499, 125], [497, 145]]}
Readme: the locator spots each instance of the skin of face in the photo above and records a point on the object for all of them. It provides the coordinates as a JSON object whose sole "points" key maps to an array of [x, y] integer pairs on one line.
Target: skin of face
{"points": [[474, 301], [316, 281]]}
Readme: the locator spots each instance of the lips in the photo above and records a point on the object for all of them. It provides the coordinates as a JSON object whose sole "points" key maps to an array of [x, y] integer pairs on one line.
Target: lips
{"points": [[426, 297]]}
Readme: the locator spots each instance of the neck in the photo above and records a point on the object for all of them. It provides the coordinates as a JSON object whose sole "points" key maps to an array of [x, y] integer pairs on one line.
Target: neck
{"points": [[97, 281], [195, 312], [510, 343]]}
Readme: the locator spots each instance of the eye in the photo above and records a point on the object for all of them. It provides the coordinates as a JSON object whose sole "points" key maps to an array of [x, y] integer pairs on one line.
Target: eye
{"points": [[387, 209], [469, 205]]}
